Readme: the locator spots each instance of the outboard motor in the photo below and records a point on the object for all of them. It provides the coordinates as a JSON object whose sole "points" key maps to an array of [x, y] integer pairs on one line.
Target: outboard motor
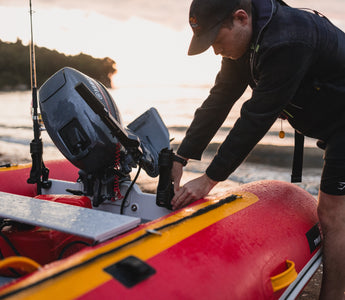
{"points": [[84, 123]]}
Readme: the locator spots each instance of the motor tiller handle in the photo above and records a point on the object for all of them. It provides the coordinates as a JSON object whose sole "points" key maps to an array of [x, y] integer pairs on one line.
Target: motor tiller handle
{"points": [[165, 188]]}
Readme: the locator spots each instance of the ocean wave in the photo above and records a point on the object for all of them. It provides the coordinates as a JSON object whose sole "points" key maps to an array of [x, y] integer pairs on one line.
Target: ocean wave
{"points": [[6, 126], [22, 141], [272, 155], [226, 129]]}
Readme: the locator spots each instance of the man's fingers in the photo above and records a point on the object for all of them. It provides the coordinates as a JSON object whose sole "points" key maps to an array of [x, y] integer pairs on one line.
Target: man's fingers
{"points": [[182, 198], [192, 190], [179, 197]]}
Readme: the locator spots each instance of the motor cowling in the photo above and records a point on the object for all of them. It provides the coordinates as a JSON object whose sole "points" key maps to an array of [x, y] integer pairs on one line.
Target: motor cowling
{"points": [[74, 128], [84, 123]]}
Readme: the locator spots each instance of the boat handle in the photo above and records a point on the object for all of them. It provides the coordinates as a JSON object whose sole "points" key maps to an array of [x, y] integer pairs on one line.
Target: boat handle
{"points": [[285, 278], [24, 264]]}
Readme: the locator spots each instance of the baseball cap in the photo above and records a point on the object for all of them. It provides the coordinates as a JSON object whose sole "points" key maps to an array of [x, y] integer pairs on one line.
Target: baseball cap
{"points": [[206, 18]]}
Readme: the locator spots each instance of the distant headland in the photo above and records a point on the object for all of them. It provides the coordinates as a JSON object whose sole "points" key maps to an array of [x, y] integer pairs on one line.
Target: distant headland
{"points": [[15, 65]]}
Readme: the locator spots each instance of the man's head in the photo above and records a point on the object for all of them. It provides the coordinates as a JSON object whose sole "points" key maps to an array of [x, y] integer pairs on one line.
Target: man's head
{"points": [[221, 21]]}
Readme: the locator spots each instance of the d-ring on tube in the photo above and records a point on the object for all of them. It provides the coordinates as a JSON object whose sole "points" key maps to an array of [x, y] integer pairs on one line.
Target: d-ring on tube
{"points": [[285, 278]]}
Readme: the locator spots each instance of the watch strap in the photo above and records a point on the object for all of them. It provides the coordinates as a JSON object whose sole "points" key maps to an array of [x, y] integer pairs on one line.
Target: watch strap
{"points": [[180, 160]]}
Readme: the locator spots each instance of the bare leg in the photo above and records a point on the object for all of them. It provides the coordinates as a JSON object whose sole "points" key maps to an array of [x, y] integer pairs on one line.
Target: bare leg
{"points": [[331, 211]]}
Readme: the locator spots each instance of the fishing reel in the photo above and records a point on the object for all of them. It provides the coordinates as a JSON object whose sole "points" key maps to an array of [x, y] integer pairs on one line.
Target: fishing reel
{"points": [[84, 123]]}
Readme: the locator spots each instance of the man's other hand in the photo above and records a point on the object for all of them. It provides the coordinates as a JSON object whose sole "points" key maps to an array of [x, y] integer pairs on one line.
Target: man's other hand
{"points": [[192, 190]]}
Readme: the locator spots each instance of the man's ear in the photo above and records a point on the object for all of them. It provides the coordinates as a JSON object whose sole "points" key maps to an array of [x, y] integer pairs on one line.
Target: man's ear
{"points": [[241, 15]]}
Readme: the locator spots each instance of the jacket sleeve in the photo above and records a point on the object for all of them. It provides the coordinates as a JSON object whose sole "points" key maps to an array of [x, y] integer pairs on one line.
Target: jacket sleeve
{"points": [[280, 71], [230, 84]]}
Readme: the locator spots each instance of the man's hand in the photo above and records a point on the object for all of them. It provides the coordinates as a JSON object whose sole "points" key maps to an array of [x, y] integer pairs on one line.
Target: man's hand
{"points": [[191, 191], [176, 175]]}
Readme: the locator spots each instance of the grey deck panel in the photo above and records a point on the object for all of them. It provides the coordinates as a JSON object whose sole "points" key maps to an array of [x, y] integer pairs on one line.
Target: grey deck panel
{"points": [[89, 223]]}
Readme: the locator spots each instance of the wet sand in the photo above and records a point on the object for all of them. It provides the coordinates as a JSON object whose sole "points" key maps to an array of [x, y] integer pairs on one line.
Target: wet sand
{"points": [[312, 290]]}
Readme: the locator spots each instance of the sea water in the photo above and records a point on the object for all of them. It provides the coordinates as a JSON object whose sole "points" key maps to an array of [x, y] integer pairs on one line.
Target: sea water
{"points": [[176, 106]]}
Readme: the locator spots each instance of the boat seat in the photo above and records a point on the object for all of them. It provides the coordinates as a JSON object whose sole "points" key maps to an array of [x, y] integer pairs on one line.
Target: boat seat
{"points": [[85, 222]]}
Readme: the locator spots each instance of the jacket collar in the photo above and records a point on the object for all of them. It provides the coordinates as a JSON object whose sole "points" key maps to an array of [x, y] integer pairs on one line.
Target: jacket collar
{"points": [[262, 12]]}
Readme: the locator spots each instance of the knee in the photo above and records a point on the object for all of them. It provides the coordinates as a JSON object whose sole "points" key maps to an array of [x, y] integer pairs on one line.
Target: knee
{"points": [[331, 211], [325, 217]]}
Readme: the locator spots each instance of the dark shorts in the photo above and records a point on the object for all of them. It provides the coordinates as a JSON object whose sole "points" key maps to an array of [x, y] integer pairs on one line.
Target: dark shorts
{"points": [[333, 173]]}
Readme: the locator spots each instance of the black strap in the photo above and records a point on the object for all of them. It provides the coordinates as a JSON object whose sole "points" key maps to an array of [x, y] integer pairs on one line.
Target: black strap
{"points": [[297, 163]]}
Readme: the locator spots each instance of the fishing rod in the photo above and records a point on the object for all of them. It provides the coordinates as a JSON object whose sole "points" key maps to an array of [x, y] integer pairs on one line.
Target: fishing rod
{"points": [[39, 173]]}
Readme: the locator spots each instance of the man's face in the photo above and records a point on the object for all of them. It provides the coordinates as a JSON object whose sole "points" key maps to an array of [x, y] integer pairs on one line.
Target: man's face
{"points": [[233, 42]]}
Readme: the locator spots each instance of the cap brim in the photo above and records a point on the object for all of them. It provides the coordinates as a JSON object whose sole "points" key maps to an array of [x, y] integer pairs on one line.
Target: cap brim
{"points": [[201, 43]]}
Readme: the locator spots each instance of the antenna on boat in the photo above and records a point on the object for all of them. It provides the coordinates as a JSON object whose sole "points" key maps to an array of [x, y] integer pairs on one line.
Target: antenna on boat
{"points": [[39, 173]]}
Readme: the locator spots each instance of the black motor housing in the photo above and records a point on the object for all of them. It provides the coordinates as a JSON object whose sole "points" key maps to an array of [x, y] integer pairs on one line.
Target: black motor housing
{"points": [[73, 127]]}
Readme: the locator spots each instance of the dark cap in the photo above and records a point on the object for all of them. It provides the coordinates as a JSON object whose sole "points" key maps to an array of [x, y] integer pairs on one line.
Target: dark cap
{"points": [[206, 18]]}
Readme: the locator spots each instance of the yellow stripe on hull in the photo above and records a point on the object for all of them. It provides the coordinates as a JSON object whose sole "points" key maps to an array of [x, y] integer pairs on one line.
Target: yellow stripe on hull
{"points": [[15, 167], [49, 283]]}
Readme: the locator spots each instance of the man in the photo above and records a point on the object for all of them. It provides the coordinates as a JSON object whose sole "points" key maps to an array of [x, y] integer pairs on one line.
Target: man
{"points": [[294, 61]]}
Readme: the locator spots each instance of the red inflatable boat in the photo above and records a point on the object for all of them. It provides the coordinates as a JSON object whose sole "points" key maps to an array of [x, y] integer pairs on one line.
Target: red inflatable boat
{"points": [[260, 241]]}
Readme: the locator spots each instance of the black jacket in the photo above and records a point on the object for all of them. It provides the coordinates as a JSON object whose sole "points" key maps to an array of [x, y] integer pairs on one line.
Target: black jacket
{"points": [[296, 67]]}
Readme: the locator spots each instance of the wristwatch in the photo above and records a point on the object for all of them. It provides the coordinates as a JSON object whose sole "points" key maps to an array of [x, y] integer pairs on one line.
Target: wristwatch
{"points": [[180, 160]]}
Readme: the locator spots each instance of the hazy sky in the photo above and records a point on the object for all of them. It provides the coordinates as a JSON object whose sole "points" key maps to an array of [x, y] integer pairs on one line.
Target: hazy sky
{"points": [[172, 13], [147, 38]]}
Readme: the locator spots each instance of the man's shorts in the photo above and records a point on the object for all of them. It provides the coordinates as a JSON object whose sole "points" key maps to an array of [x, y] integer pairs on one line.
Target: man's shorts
{"points": [[333, 173]]}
